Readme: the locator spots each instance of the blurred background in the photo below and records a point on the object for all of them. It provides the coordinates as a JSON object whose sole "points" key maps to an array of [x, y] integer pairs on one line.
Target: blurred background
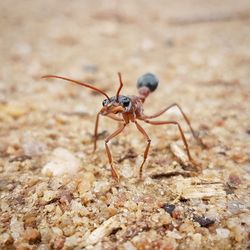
{"points": [[198, 49]]}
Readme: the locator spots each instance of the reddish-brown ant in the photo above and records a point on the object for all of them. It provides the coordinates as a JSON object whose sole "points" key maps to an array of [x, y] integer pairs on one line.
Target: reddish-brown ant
{"points": [[127, 109]]}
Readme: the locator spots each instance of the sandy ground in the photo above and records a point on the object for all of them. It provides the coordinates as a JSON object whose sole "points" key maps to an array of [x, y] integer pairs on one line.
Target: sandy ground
{"points": [[200, 52]]}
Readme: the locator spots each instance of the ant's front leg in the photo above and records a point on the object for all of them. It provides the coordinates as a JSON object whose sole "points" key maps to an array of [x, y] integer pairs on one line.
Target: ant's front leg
{"points": [[97, 124], [96, 130], [197, 138], [113, 169]]}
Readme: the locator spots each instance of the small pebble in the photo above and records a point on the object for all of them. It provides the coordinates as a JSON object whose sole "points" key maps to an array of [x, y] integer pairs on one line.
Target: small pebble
{"points": [[203, 221], [62, 162], [32, 146], [174, 234], [239, 233], [197, 239], [186, 227], [101, 186], [86, 183], [235, 206], [16, 228], [6, 238], [129, 246], [234, 180], [58, 243], [32, 235], [222, 233], [49, 195], [169, 208]]}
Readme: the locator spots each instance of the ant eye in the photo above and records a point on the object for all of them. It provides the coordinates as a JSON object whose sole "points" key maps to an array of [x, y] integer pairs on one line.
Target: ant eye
{"points": [[125, 101], [105, 102]]}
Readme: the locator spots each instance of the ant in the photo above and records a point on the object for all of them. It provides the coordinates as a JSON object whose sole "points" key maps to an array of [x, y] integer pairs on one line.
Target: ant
{"points": [[127, 109]]}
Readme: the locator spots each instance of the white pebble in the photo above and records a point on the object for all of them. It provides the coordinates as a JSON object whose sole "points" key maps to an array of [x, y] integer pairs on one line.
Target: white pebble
{"points": [[174, 234], [16, 228], [222, 233], [129, 246], [101, 186], [127, 171], [62, 162]]}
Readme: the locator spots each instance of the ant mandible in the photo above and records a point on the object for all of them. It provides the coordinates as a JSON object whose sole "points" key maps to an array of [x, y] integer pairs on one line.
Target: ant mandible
{"points": [[127, 109]]}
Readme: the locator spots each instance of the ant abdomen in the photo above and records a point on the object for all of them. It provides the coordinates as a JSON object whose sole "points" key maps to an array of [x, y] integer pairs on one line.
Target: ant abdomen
{"points": [[148, 80]]}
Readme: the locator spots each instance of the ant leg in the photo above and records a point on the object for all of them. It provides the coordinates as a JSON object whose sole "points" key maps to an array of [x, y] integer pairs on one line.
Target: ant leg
{"points": [[113, 169], [96, 130], [182, 136], [147, 148], [96, 127], [198, 139], [112, 116]]}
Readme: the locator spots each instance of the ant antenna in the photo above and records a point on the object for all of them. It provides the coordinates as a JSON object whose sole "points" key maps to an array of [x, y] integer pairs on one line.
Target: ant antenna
{"points": [[77, 82], [120, 87]]}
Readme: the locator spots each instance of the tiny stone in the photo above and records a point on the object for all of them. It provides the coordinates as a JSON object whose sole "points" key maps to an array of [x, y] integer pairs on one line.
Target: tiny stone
{"points": [[101, 186], [6, 238], [174, 234], [43, 247], [239, 233], [129, 246], [197, 239], [235, 206], [31, 146], [165, 219], [16, 228], [66, 197], [169, 208], [71, 241], [186, 228], [69, 230], [203, 221], [234, 180], [32, 235], [86, 183], [30, 221], [58, 243], [49, 195], [63, 162], [57, 231], [222, 233]]}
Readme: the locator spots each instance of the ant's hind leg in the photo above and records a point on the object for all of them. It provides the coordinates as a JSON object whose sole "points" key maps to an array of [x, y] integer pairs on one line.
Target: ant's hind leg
{"points": [[197, 138], [113, 168], [147, 148], [182, 137]]}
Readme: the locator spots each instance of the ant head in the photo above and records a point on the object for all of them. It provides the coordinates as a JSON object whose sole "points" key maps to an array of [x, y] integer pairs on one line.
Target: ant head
{"points": [[114, 106], [117, 104]]}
